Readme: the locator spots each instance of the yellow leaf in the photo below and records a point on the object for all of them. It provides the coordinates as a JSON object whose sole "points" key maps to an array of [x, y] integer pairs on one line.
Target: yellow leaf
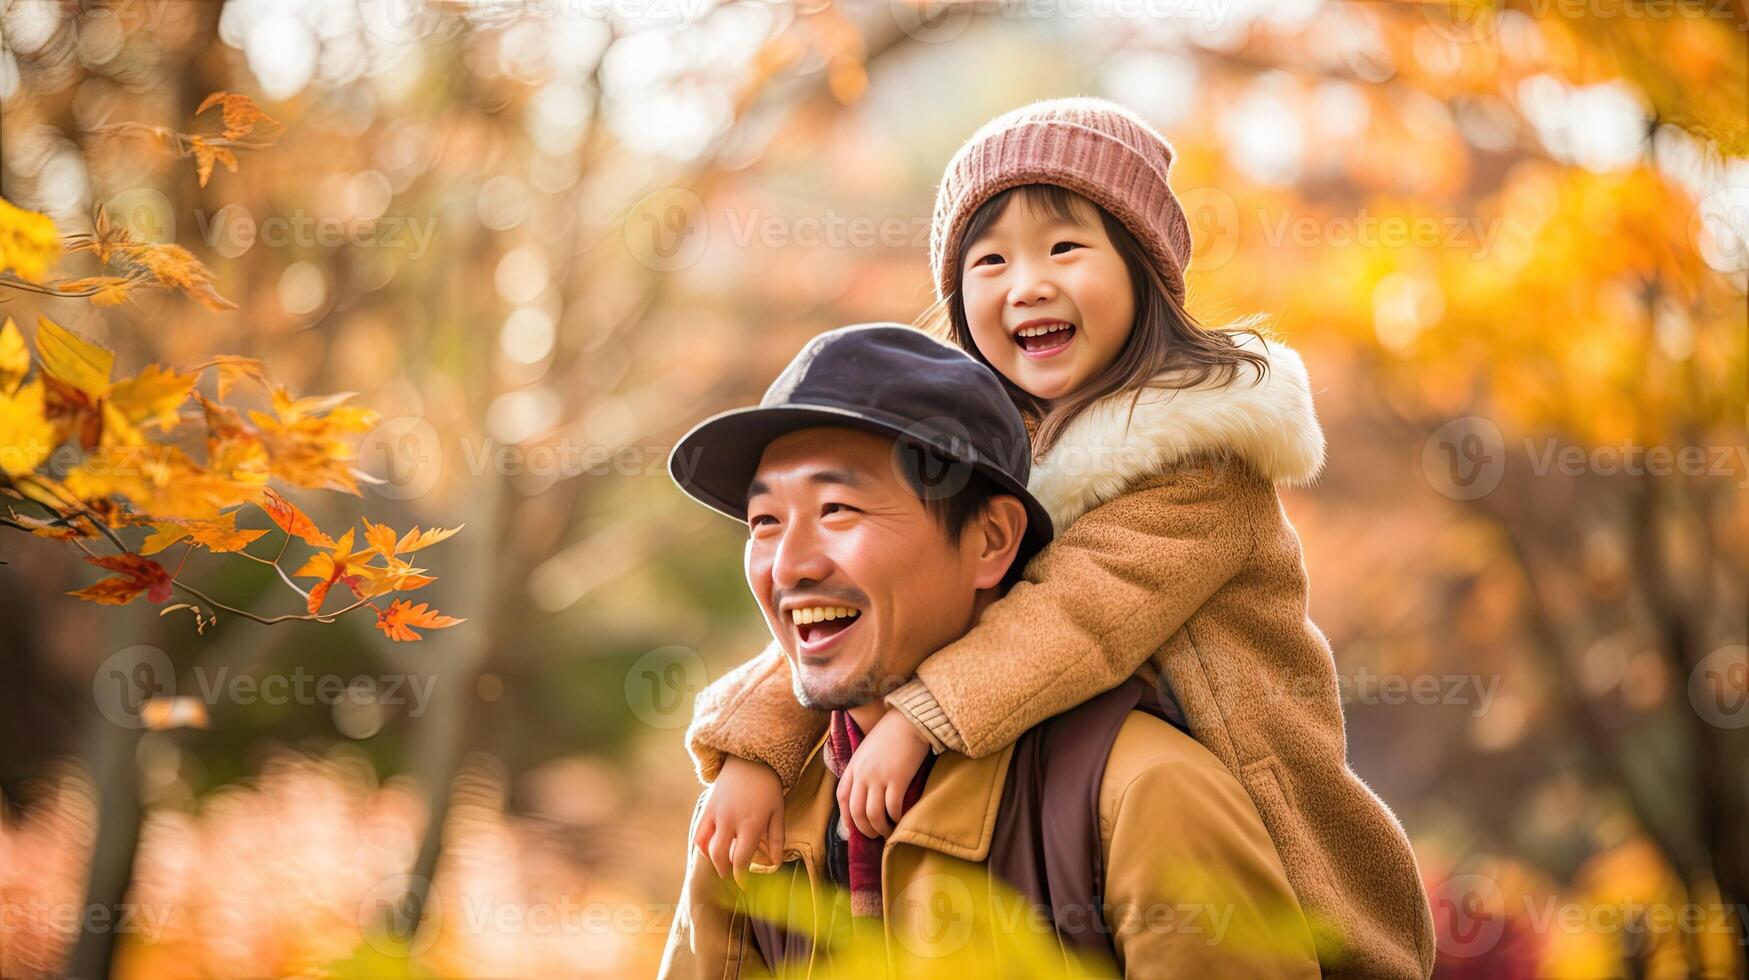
{"points": [[397, 620], [380, 537], [416, 539], [218, 534], [154, 397], [232, 369], [239, 111], [14, 357], [206, 154], [29, 244], [73, 360], [26, 437]]}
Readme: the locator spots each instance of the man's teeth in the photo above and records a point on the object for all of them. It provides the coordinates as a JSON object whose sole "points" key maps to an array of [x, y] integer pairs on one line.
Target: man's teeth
{"points": [[820, 614], [1042, 329]]}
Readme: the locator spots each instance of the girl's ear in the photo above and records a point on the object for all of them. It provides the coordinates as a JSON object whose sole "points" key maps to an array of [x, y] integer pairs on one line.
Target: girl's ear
{"points": [[1000, 529]]}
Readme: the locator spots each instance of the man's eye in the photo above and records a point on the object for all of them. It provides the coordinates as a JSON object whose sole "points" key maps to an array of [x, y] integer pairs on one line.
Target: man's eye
{"points": [[829, 508], [758, 521], [1059, 248]]}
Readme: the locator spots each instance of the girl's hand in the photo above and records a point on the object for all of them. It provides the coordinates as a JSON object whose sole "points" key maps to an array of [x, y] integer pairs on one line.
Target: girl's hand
{"points": [[743, 813], [872, 792]]}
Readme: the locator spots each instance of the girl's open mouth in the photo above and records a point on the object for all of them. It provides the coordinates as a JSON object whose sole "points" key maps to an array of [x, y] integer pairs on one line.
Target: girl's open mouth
{"points": [[819, 627], [1045, 339]]}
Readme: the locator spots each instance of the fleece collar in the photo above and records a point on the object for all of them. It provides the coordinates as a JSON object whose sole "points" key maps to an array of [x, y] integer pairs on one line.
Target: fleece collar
{"points": [[1271, 425]]}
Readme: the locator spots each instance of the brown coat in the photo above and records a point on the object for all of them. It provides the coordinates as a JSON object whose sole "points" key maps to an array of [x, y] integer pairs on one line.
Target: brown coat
{"points": [[1180, 838], [1173, 557]]}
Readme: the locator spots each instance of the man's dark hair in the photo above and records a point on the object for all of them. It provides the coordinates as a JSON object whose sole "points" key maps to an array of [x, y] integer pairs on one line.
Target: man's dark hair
{"points": [[954, 500]]}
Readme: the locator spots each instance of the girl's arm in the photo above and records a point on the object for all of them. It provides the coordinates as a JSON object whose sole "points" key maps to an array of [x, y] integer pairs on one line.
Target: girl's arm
{"points": [[752, 712], [1095, 605]]}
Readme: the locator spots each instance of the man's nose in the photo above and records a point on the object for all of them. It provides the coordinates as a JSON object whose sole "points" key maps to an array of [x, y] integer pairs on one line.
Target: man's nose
{"points": [[800, 559]]}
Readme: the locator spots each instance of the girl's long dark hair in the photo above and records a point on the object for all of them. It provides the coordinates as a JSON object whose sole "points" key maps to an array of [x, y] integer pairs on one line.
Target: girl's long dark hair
{"points": [[1166, 349]]}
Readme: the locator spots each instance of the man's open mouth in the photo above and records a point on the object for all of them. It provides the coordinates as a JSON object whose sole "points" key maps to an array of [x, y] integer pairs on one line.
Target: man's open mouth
{"points": [[819, 626], [1045, 338]]}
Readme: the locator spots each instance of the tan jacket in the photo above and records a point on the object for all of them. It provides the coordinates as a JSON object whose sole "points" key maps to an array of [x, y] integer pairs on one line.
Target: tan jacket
{"points": [[1194, 886], [1173, 557]]}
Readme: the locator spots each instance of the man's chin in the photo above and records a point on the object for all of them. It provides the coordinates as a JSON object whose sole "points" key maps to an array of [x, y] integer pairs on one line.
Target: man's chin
{"points": [[832, 695]]}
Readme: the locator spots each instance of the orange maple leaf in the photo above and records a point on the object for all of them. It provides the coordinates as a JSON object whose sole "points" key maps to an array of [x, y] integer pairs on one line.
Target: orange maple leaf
{"points": [[291, 520], [138, 574], [240, 113], [206, 154], [397, 621]]}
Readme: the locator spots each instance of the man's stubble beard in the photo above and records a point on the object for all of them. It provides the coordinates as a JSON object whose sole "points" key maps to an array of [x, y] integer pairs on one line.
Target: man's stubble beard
{"points": [[862, 689]]}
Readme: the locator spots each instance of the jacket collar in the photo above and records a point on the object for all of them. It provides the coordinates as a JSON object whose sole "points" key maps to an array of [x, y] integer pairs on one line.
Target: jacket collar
{"points": [[956, 814], [1271, 425]]}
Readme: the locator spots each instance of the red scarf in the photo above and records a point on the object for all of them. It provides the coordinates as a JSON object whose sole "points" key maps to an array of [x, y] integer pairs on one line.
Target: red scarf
{"points": [[858, 865]]}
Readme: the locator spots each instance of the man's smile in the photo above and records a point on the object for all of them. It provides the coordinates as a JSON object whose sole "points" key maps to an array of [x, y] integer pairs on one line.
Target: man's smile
{"points": [[818, 628]]}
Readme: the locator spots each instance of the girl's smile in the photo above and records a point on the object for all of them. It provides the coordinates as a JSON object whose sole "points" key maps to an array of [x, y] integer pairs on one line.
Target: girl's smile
{"points": [[1042, 337]]}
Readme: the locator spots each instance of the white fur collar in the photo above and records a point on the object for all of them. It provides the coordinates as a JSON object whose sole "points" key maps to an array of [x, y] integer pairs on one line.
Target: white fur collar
{"points": [[1271, 425]]}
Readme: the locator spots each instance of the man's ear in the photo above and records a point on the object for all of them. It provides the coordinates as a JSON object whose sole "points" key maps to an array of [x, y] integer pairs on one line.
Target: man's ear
{"points": [[1000, 529]]}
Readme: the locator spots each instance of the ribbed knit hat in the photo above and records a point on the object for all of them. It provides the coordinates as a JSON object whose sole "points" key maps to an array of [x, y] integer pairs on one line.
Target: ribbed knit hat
{"points": [[1094, 147]]}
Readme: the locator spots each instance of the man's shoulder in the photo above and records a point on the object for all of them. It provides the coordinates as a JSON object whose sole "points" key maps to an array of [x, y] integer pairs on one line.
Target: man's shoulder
{"points": [[1156, 766]]}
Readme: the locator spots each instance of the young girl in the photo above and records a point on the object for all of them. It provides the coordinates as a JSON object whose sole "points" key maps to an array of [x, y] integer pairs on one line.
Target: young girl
{"points": [[1059, 253]]}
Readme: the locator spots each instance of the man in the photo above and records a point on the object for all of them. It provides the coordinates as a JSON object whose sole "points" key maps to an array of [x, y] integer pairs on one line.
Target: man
{"points": [[883, 482]]}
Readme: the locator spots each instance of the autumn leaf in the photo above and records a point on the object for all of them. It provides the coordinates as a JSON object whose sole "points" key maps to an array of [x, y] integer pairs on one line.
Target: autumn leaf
{"points": [[206, 154], [153, 397], [218, 534], [14, 357], [60, 530], [176, 267], [138, 574], [398, 620], [232, 369], [101, 290], [416, 539], [291, 520], [73, 360], [26, 435], [29, 244], [240, 113]]}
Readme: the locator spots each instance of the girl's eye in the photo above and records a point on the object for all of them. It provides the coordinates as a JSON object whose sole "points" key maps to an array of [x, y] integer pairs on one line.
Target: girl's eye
{"points": [[982, 260], [1058, 248]]}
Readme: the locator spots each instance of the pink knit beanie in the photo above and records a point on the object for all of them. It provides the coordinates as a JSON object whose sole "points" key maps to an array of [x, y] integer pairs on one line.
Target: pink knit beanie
{"points": [[1094, 147]]}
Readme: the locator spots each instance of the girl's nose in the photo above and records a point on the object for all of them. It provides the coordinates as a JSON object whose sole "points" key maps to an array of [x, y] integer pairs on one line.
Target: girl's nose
{"points": [[1032, 290]]}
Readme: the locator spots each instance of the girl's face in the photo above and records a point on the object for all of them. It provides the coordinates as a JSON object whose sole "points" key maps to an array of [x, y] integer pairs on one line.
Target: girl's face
{"points": [[1049, 303]]}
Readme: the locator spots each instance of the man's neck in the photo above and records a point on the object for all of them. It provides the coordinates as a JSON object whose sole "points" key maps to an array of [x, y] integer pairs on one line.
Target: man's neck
{"points": [[867, 714]]}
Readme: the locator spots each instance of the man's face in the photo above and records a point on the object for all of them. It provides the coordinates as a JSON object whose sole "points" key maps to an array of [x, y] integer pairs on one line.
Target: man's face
{"points": [[835, 529]]}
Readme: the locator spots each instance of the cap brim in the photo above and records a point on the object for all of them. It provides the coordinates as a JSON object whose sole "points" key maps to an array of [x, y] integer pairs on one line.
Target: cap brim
{"points": [[715, 462]]}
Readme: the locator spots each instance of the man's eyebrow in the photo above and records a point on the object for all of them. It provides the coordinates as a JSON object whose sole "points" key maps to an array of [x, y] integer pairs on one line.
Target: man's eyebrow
{"points": [[846, 478]]}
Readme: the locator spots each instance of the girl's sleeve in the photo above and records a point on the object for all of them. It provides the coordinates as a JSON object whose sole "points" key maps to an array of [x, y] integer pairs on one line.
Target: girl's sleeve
{"points": [[752, 712], [1094, 605]]}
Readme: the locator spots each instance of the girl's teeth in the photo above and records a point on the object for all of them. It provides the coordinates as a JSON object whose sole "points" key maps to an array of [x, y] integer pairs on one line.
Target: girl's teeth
{"points": [[1042, 330]]}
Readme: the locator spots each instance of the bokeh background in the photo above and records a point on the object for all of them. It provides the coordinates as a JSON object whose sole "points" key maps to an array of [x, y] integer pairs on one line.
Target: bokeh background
{"points": [[543, 237]]}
